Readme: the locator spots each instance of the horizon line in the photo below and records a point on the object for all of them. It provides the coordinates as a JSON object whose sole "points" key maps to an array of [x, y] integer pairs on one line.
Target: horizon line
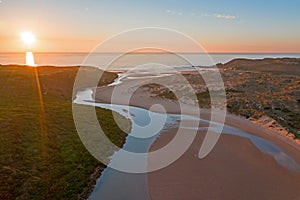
{"points": [[70, 52]]}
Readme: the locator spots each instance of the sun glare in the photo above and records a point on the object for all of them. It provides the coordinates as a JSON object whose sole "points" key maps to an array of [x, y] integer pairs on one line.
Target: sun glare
{"points": [[30, 59], [28, 38]]}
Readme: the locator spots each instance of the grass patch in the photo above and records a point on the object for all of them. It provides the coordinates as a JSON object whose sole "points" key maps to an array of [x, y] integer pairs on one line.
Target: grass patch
{"points": [[44, 162]]}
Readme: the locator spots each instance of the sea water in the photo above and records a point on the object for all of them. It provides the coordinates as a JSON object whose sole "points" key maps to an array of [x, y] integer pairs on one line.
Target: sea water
{"points": [[128, 61]]}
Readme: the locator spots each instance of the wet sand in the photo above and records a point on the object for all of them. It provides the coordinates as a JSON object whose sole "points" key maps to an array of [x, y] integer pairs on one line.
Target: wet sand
{"points": [[235, 169]]}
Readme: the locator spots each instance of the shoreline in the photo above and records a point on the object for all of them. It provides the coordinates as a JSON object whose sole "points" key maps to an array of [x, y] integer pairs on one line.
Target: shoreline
{"points": [[142, 98], [272, 125], [85, 194], [146, 100]]}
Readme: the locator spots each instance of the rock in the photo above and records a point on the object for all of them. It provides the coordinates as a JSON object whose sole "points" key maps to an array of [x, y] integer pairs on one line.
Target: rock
{"points": [[291, 136]]}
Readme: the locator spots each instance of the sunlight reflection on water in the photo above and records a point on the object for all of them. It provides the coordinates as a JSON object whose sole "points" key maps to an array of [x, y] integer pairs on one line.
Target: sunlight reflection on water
{"points": [[30, 59]]}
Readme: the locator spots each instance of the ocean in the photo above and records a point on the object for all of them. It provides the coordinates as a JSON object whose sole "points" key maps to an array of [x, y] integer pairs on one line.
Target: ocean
{"points": [[114, 61]]}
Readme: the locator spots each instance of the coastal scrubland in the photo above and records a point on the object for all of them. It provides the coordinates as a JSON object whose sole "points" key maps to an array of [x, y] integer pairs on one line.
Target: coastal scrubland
{"points": [[255, 89], [41, 155]]}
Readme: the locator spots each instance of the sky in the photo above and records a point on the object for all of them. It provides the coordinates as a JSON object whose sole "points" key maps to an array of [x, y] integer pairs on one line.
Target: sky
{"points": [[218, 25]]}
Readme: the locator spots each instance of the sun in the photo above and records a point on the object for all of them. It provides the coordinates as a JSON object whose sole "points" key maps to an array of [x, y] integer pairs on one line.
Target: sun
{"points": [[28, 38]]}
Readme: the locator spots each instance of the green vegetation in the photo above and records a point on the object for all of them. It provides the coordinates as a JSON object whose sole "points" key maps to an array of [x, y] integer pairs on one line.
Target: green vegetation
{"points": [[267, 87], [287, 66], [41, 155], [254, 88], [267, 94]]}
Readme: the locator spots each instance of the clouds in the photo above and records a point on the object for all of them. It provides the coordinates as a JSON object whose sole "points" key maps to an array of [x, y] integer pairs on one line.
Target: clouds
{"points": [[222, 16], [195, 14], [173, 12]]}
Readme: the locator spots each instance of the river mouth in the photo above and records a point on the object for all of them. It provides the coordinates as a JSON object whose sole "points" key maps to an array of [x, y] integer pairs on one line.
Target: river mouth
{"points": [[134, 186]]}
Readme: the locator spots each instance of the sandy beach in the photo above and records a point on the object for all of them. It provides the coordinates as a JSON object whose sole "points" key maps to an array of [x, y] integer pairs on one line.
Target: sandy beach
{"points": [[235, 169]]}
